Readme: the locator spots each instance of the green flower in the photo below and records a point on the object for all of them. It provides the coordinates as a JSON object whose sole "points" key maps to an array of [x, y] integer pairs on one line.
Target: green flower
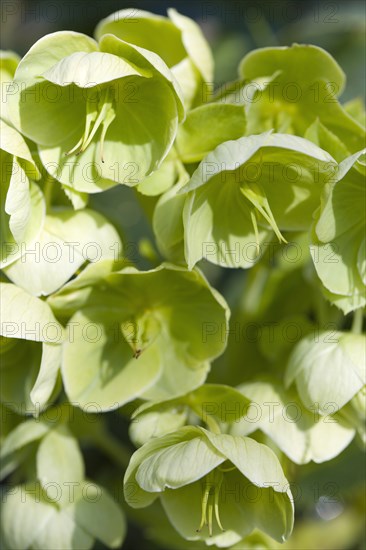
{"points": [[298, 432], [338, 237], [288, 88], [177, 39], [141, 334], [328, 369], [8, 64], [30, 351], [216, 488], [210, 403], [22, 208], [100, 113], [245, 190], [67, 239], [65, 518]]}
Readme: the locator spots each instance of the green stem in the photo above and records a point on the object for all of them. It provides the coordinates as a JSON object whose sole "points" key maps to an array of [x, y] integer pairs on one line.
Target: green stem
{"points": [[47, 191], [212, 425], [357, 321], [114, 449]]}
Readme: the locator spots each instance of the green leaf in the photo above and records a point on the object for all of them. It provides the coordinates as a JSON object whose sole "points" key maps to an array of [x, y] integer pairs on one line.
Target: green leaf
{"points": [[59, 464], [328, 370]]}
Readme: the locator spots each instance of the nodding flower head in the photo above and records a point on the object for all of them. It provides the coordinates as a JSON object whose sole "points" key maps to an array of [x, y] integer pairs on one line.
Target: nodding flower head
{"points": [[205, 482], [89, 104], [99, 114]]}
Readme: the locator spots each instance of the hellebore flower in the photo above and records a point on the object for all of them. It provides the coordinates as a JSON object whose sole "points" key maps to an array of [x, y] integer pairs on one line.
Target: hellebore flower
{"points": [[288, 88], [8, 64], [22, 208], [66, 240], [338, 245], [296, 431], [141, 334], [214, 487], [328, 371], [30, 351], [100, 114], [64, 519], [248, 188], [177, 39]]}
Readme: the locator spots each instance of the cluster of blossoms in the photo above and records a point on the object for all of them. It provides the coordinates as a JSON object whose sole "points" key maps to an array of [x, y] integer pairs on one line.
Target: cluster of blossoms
{"points": [[264, 162]]}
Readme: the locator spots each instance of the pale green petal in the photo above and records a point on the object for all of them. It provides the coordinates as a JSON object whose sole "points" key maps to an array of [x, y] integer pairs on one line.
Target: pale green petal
{"points": [[206, 127], [87, 70], [67, 241], [99, 366], [30, 520], [134, 495], [255, 461], [48, 374], [25, 316], [294, 60], [195, 43], [300, 434], [218, 227], [25, 433], [328, 371], [155, 424], [98, 514], [178, 465], [168, 222], [59, 463]]}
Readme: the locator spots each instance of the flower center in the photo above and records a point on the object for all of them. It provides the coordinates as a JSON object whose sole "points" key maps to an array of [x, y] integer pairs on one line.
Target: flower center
{"points": [[255, 194], [100, 113], [210, 501]]}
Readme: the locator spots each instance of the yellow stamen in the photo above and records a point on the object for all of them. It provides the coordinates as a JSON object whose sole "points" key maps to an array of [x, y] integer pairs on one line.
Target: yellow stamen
{"points": [[210, 501], [256, 196], [99, 115]]}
